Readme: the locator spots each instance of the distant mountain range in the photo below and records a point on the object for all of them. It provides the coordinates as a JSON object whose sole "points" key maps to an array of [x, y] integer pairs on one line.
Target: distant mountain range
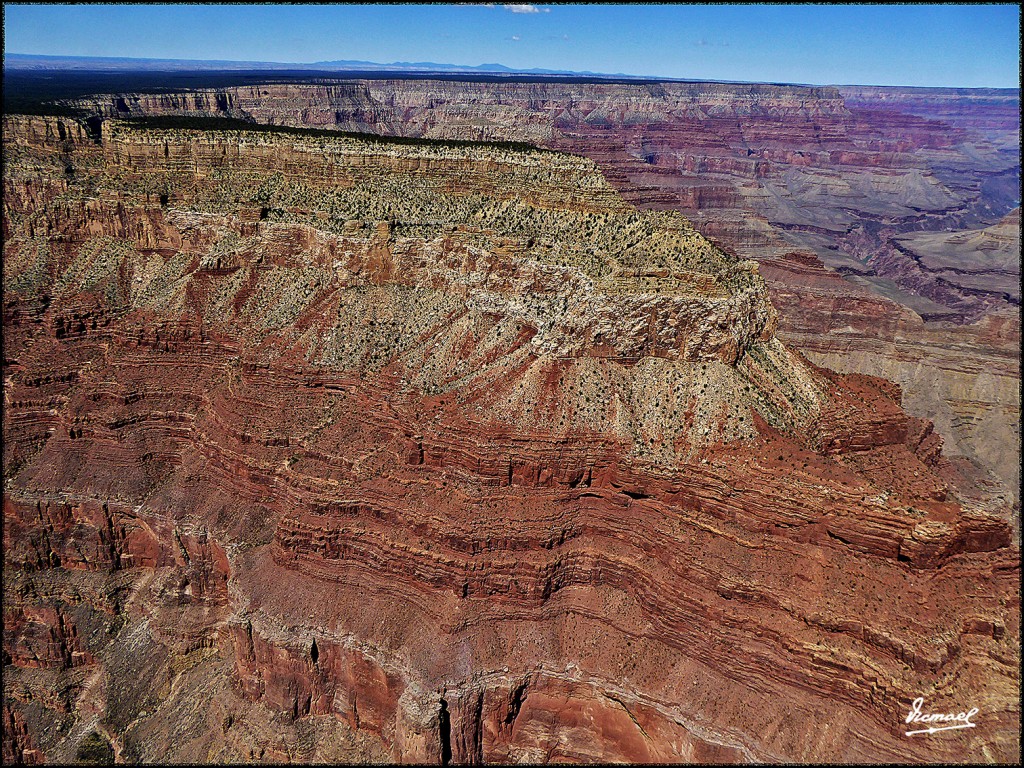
{"points": [[23, 61]]}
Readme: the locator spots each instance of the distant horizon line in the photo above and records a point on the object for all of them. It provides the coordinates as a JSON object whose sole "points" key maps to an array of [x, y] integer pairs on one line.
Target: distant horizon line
{"points": [[426, 67]]}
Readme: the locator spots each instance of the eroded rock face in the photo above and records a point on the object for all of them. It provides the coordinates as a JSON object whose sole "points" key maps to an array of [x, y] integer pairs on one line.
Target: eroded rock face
{"points": [[328, 450], [19, 746], [853, 176]]}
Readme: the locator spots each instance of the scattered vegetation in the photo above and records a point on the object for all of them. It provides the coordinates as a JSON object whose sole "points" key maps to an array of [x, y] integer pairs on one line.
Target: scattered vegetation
{"points": [[95, 750], [455, 210]]}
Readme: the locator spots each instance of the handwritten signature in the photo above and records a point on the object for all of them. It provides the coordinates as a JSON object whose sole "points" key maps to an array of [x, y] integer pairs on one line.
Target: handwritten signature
{"points": [[961, 720]]}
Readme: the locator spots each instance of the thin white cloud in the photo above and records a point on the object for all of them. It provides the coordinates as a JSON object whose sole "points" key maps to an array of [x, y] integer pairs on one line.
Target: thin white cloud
{"points": [[524, 8], [516, 37]]}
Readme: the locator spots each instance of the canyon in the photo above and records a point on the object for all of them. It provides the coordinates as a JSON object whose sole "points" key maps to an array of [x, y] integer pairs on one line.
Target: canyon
{"points": [[326, 448], [821, 185]]}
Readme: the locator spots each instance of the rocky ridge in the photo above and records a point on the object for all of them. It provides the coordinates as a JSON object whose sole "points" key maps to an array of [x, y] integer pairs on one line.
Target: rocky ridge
{"points": [[527, 476], [779, 174]]}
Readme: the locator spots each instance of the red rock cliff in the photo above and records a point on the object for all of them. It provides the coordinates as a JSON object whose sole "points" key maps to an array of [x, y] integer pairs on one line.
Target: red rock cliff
{"points": [[363, 452], [769, 170]]}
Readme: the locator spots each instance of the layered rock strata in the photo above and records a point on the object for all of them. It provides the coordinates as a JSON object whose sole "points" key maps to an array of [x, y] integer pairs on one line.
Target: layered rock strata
{"points": [[845, 174], [328, 450]]}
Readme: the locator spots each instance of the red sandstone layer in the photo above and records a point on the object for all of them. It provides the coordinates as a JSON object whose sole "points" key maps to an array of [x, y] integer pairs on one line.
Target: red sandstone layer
{"points": [[844, 173], [391, 493]]}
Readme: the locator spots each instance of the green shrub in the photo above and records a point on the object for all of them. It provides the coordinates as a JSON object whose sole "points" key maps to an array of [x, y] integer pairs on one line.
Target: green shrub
{"points": [[95, 750]]}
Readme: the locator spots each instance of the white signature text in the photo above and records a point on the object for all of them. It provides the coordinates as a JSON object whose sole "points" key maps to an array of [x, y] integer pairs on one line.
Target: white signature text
{"points": [[961, 720]]}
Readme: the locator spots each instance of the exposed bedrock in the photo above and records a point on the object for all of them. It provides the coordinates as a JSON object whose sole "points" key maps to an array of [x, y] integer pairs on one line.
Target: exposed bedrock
{"points": [[865, 178], [319, 472], [19, 747]]}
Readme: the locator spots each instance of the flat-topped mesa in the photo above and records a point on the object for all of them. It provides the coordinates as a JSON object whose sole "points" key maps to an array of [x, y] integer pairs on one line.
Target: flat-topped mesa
{"points": [[376, 433], [464, 269], [764, 169], [456, 268], [538, 235], [559, 180]]}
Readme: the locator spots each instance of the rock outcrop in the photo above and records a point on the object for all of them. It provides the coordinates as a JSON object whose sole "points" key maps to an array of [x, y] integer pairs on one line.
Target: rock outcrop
{"points": [[323, 449], [846, 174]]}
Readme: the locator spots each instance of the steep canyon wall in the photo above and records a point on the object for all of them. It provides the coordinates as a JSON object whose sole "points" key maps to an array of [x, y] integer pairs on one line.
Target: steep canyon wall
{"points": [[321, 449], [830, 189]]}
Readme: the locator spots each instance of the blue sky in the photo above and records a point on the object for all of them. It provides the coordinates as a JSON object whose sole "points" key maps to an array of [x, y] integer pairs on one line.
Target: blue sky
{"points": [[934, 45]]}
